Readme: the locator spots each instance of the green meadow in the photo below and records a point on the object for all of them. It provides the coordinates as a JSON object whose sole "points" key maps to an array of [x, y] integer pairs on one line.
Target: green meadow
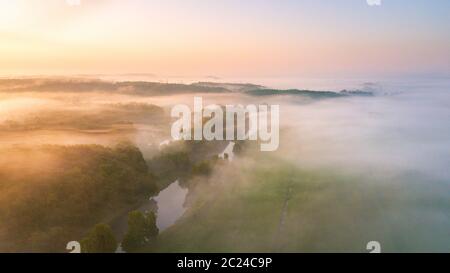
{"points": [[274, 206]]}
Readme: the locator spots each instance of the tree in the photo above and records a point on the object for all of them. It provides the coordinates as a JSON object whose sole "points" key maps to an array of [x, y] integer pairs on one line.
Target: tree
{"points": [[99, 240], [202, 168], [142, 230]]}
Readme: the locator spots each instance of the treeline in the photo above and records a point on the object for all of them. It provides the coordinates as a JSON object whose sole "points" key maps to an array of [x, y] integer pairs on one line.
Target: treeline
{"points": [[50, 195], [177, 161], [184, 159], [142, 232], [140, 88], [102, 117]]}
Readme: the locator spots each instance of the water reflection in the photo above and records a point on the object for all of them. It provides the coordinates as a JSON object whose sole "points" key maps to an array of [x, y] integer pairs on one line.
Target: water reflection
{"points": [[170, 205]]}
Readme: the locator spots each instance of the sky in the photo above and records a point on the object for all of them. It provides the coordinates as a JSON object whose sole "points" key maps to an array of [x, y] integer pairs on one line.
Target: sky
{"points": [[226, 38]]}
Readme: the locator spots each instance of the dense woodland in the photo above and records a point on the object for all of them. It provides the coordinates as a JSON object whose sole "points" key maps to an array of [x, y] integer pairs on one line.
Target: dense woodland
{"points": [[52, 194]]}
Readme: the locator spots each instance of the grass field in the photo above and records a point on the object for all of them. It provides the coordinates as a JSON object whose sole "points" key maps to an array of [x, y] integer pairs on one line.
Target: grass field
{"points": [[273, 206]]}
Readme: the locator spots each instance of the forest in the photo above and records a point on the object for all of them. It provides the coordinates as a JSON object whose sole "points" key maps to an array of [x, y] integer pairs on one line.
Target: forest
{"points": [[52, 194]]}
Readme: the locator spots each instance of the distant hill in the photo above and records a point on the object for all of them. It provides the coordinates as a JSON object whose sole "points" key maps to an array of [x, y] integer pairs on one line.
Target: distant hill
{"points": [[295, 92], [235, 87], [159, 89], [307, 93], [89, 85]]}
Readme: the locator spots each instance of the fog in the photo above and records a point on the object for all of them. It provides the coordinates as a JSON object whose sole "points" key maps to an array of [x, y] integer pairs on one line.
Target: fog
{"points": [[388, 157], [389, 133], [370, 168], [381, 162]]}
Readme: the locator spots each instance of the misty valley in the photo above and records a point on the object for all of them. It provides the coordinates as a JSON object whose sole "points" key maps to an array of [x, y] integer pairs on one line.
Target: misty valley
{"points": [[93, 161]]}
